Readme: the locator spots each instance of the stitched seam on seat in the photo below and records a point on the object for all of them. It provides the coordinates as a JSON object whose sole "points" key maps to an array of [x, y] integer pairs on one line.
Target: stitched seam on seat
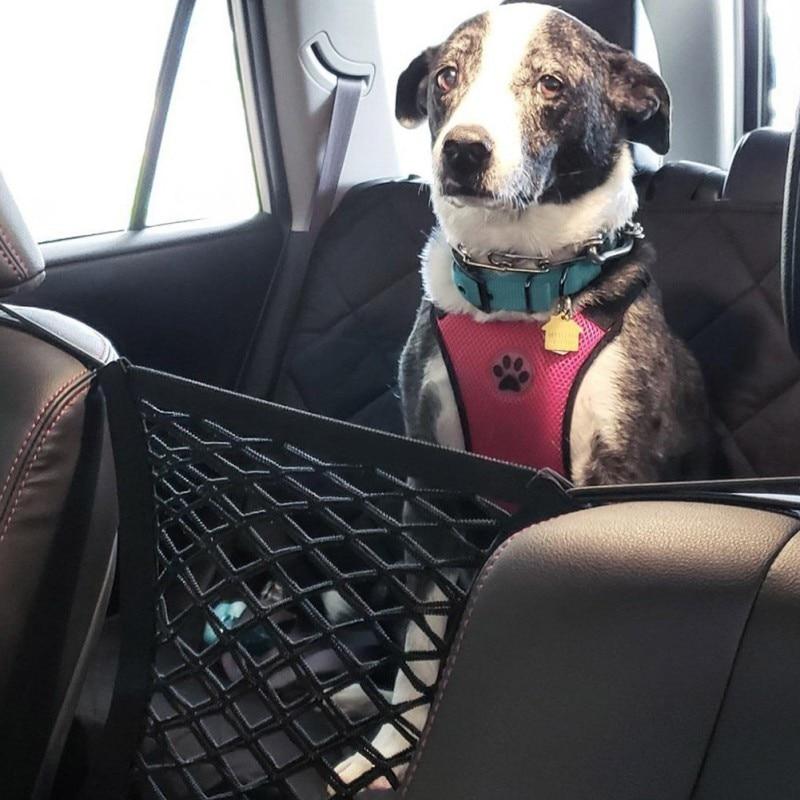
{"points": [[743, 255], [456, 649], [399, 214], [783, 388], [729, 437], [17, 270], [36, 421], [756, 287], [715, 317], [32, 463], [768, 568], [6, 240], [685, 244]]}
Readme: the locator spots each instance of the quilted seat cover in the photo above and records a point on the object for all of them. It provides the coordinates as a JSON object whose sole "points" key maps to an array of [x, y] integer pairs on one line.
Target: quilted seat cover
{"points": [[718, 270]]}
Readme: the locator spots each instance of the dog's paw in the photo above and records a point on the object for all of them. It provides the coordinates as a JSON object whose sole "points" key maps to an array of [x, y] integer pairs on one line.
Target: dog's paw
{"points": [[389, 742], [351, 769], [512, 372]]}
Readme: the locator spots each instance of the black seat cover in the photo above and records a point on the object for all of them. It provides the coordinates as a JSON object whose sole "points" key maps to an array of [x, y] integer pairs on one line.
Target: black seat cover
{"points": [[57, 520], [718, 268], [358, 306], [718, 242]]}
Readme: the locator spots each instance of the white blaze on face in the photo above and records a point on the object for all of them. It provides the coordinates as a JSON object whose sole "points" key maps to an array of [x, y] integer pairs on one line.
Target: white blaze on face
{"points": [[489, 101]]}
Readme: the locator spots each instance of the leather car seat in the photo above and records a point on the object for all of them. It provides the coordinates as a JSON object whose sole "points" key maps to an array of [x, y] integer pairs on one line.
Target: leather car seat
{"points": [[58, 516], [645, 650]]}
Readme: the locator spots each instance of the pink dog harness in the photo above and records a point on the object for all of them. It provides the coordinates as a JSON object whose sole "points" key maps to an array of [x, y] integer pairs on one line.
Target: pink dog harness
{"points": [[515, 398]]}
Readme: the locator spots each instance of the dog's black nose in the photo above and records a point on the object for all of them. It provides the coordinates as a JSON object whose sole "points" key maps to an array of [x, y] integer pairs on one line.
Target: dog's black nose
{"points": [[466, 153]]}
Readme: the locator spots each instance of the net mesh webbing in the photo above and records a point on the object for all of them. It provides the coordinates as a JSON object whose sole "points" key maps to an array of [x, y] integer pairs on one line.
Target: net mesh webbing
{"points": [[286, 584]]}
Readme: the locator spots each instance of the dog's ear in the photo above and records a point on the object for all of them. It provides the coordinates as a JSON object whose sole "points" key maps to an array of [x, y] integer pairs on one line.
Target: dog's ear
{"points": [[411, 101], [642, 98]]}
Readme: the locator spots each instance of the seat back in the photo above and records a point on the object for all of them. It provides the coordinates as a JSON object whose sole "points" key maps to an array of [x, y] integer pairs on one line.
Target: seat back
{"points": [[718, 268], [657, 658], [358, 306], [57, 517]]}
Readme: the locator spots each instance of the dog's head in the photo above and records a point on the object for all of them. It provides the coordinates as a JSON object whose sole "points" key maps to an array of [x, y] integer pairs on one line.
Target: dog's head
{"points": [[527, 105]]}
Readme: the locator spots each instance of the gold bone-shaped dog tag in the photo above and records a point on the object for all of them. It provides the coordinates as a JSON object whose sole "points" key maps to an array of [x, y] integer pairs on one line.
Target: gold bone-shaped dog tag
{"points": [[562, 335]]}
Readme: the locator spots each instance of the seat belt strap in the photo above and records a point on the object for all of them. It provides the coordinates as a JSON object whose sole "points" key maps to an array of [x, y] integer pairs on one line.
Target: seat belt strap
{"points": [[262, 366], [346, 98]]}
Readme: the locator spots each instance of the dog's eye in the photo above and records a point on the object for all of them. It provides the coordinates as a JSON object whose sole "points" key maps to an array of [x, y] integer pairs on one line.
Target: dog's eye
{"points": [[447, 79], [550, 86]]}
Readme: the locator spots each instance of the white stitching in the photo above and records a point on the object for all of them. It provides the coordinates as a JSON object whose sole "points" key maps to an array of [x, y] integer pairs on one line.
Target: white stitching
{"points": [[6, 239], [32, 463], [448, 670], [16, 269], [42, 412]]}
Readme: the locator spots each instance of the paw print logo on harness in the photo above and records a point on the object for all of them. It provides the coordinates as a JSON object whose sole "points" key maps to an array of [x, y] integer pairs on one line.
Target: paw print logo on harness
{"points": [[512, 372]]}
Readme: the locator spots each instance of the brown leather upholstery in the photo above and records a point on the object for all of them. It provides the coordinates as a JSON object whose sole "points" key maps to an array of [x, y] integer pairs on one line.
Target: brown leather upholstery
{"points": [[58, 519], [646, 650], [21, 262], [57, 533]]}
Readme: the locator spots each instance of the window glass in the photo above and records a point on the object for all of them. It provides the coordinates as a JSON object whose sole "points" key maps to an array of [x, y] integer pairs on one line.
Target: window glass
{"points": [[205, 168], [783, 20], [78, 86]]}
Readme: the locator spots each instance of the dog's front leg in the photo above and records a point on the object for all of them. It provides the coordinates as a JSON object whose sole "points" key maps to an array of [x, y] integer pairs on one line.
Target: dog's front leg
{"points": [[392, 739], [619, 463], [431, 414]]}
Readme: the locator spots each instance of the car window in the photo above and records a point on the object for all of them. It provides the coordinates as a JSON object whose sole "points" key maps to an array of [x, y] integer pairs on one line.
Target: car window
{"points": [[77, 108], [82, 95], [783, 19], [205, 168]]}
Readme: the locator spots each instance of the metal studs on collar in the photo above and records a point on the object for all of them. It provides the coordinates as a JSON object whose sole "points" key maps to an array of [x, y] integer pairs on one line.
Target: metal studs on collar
{"points": [[589, 249]]}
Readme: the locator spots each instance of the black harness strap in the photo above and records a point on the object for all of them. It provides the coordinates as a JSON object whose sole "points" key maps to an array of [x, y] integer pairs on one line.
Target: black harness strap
{"points": [[609, 316]]}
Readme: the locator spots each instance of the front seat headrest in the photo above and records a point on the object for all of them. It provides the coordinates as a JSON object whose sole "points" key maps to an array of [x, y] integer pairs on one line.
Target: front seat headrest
{"points": [[21, 262]]}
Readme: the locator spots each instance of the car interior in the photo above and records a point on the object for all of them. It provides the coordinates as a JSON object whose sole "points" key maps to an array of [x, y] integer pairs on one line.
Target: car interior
{"points": [[202, 447]]}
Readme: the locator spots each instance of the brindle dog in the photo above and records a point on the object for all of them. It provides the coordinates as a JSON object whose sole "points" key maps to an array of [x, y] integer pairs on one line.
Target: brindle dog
{"points": [[531, 114]]}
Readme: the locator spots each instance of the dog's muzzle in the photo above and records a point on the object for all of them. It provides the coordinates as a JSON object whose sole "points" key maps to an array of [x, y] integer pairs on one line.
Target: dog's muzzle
{"points": [[466, 155]]}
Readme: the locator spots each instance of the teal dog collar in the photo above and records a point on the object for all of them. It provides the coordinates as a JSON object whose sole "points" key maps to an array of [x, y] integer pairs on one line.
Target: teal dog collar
{"points": [[501, 283]]}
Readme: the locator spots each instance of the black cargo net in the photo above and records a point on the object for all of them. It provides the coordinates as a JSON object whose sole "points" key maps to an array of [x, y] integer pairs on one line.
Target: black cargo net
{"points": [[294, 592]]}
